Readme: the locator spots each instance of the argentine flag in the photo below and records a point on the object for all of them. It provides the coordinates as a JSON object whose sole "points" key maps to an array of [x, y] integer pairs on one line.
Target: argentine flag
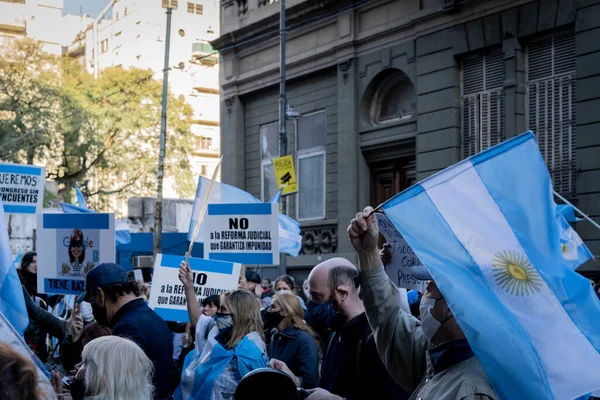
{"points": [[573, 249], [290, 241], [486, 229]]}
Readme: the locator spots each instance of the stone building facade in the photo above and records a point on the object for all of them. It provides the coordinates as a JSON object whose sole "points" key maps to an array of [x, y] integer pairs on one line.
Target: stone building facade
{"points": [[392, 91]]}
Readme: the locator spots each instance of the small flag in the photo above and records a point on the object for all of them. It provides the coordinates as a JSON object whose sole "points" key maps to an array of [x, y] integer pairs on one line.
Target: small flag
{"points": [[574, 251]]}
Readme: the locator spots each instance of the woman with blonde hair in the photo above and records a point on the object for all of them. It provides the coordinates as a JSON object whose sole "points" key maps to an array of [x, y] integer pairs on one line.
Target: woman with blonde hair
{"points": [[234, 348], [114, 368], [293, 341]]}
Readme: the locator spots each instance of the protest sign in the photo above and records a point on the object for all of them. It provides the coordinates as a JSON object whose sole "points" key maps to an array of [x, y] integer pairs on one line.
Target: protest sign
{"points": [[285, 175], [403, 257], [137, 273], [69, 245], [22, 188], [167, 296], [244, 233]]}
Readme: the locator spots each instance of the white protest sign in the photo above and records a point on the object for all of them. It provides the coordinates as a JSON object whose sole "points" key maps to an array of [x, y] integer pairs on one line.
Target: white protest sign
{"points": [[69, 246], [167, 295], [22, 188], [243, 233], [403, 257], [137, 273]]}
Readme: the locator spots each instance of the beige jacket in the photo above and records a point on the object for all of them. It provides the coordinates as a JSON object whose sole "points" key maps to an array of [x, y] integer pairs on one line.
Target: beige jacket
{"points": [[404, 350]]}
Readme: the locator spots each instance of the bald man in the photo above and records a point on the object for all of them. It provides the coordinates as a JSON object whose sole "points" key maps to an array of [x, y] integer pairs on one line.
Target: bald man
{"points": [[351, 367]]}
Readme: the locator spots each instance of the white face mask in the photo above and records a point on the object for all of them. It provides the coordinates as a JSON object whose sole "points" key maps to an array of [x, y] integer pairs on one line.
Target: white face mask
{"points": [[429, 324]]}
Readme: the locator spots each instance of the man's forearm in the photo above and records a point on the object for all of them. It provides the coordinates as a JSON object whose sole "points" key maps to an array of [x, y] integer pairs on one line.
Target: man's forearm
{"points": [[369, 260]]}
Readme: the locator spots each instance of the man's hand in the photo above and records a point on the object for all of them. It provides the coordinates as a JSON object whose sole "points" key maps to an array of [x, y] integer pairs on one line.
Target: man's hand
{"points": [[322, 394], [385, 254], [185, 275], [75, 326], [280, 365], [363, 233]]}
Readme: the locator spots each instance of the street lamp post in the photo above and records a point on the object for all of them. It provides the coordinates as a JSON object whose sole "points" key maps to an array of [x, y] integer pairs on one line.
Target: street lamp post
{"points": [[282, 119], [163, 134]]}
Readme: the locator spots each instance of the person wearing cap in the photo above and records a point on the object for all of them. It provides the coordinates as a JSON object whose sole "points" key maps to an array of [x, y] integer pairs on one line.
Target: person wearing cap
{"points": [[251, 282], [117, 303], [430, 357]]}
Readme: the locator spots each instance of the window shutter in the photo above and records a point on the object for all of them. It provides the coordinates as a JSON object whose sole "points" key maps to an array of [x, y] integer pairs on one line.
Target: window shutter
{"points": [[482, 101], [551, 106]]}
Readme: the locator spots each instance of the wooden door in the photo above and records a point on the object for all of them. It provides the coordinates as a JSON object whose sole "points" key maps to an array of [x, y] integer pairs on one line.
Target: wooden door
{"points": [[389, 178]]}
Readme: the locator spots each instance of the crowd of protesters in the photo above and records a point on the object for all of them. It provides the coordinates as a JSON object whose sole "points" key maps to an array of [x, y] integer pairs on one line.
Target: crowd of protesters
{"points": [[343, 334]]}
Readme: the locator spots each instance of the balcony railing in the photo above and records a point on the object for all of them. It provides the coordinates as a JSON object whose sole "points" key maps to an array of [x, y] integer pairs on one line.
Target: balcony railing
{"points": [[204, 53]]}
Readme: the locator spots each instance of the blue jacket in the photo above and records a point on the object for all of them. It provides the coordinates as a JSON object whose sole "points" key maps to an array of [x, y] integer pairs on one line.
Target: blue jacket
{"points": [[136, 321], [351, 365], [299, 350]]}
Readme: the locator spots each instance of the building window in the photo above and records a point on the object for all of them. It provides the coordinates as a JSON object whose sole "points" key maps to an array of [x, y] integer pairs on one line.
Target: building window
{"points": [[551, 105], [181, 33], [195, 8], [125, 11], [269, 149], [205, 143], [104, 46], [482, 77], [117, 16], [394, 100], [203, 170], [310, 165]]}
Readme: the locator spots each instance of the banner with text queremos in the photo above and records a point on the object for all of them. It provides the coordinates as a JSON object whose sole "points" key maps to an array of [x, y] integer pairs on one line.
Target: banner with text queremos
{"points": [[22, 188]]}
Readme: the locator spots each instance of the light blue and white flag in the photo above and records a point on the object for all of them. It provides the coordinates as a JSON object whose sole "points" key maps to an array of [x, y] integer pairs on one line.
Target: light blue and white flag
{"points": [[12, 302], [568, 212], [290, 241], [80, 199], [122, 229], [573, 249], [486, 229]]}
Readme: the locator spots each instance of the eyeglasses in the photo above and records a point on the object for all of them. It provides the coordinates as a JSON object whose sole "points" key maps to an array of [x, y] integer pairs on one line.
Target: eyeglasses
{"points": [[76, 243]]}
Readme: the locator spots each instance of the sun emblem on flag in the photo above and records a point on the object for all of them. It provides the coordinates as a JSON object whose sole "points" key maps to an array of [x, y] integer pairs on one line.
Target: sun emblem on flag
{"points": [[564, 248], [514, 273]]}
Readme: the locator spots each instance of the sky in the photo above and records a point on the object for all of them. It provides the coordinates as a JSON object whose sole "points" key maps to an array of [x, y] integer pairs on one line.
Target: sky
{"points": [[90, 7]]}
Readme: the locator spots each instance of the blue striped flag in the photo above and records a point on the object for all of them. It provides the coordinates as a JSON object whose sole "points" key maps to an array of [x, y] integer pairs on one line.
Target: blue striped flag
{"points": [[574, 251], [486, 229], [12, 302]]}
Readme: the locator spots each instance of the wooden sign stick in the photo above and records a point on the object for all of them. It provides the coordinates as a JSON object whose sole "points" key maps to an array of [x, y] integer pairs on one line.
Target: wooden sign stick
{"points": [[202, 211]]}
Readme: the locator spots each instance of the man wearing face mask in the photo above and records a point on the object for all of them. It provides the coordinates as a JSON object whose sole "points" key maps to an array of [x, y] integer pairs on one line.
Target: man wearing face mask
{"points": [[351, 368], [117, 303], [431, 357]]}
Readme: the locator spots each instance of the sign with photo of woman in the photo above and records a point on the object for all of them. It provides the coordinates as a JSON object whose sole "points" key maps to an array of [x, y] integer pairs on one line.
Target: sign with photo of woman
{"points": [[69, 246]]}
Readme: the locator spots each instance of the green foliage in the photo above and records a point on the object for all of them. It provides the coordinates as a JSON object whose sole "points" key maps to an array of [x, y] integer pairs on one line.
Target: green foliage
{"points": [[104, 131]]}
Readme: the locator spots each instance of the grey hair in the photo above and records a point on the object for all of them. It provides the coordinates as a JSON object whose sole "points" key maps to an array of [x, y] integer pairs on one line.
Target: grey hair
{"points": [[343, 274], [117, 368]]}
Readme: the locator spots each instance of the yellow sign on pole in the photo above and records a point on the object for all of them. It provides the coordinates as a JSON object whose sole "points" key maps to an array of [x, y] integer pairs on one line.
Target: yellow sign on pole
{"points": [[285, 175]]}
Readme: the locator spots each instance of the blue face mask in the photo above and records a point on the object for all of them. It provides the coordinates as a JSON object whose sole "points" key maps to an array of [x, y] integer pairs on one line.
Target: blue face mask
{"points": [[322, 315], [224, 322]]}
